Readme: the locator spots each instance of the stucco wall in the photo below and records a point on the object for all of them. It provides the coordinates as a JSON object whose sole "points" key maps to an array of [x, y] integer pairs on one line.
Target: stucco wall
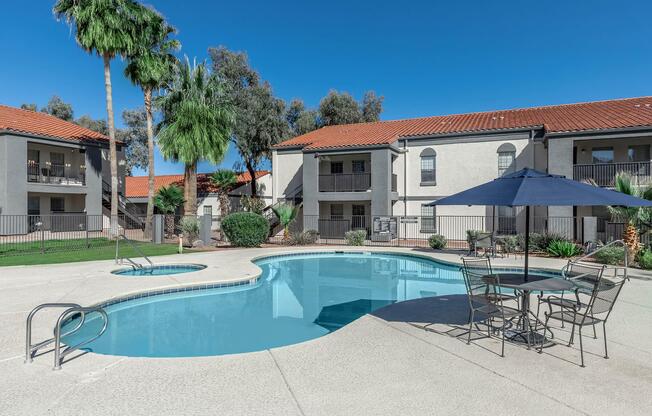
{"points": [[287, 172]]}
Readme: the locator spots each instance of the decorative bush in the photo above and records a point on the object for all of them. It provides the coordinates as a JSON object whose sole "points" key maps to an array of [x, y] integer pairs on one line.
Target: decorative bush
{"points": [[611, 255], [304, 238], [252, 204], [540, 242], [645, 259], [472, 236], [355, 238], [190, 228], [563, 249], [509, 243], [437, 241], [245, 229]]}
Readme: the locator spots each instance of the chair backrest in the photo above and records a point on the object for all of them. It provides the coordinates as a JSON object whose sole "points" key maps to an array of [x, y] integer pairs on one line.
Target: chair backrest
{"points": [[478, 265], [478, 286], [603, 298], [484, 240], [591, 273]]}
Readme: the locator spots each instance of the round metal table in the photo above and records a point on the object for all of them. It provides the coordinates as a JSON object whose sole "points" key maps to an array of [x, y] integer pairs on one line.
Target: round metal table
{"points": [[534, 282]]}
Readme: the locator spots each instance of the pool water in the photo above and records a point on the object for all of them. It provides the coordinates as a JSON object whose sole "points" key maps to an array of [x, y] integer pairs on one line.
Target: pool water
{"points": [[297, 298], [159, 270]]}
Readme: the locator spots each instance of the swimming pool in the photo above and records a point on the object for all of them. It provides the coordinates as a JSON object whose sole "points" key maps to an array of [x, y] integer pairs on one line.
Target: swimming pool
{"points": [[159, 270], [297, 298]]}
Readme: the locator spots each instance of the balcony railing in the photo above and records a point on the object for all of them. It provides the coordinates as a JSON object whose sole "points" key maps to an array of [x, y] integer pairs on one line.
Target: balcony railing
{"points": [[54, 174], [344, 182], [604, 173]]}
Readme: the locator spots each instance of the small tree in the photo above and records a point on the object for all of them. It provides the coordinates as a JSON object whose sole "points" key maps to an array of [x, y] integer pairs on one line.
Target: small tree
{"points": [[224, 179], [632, 215], [168, 200], [286, 214]]}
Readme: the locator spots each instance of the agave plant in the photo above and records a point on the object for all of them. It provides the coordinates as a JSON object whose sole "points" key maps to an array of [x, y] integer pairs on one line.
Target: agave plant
{"points": [[286, 214], [633, 216]]}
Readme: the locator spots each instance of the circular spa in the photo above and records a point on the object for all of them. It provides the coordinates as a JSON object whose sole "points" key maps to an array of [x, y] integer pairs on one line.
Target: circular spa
{"points": [[297, 298], [159, 270]]}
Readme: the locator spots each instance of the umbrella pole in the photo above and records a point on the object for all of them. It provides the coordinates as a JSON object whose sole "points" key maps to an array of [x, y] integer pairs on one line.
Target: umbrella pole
{"points": [[527, 238]]}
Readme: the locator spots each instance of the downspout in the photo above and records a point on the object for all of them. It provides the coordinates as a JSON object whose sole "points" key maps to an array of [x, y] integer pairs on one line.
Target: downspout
{"points": [[405, 177]]}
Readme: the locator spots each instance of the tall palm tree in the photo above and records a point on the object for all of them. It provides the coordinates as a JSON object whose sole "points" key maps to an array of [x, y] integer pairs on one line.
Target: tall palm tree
{"points": [[151, 68], [224, 179], [625, 183], [286, 214], [167, 200], [107, 28], [196, 124]]}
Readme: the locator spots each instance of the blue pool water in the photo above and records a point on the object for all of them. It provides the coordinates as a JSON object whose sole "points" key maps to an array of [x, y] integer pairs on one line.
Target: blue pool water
{"points": [[160, 270], [297, 298]]}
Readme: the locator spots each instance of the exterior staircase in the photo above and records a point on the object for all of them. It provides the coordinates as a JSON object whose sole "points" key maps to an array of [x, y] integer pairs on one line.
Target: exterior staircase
{"points": [[295, 197], [133, 216]]}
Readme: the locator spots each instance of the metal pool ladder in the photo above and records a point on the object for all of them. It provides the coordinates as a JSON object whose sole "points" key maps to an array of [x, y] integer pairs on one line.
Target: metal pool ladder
{"points": [[135, 247], [60, 352]]}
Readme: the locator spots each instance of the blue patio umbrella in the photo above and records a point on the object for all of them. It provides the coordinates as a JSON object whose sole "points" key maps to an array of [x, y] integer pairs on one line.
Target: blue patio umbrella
{"points": [[529, 187]]}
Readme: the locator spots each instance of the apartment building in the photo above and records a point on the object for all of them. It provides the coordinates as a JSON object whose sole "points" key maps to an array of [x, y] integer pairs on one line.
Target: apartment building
{"points": [[50, 169], [379, 176]]}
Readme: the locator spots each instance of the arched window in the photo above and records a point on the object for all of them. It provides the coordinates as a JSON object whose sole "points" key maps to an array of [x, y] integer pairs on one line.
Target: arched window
{"points": [[506, 158], [428, 167]]}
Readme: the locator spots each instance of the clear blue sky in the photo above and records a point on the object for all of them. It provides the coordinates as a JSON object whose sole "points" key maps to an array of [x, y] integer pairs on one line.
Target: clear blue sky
{"points": [[424, 57]]}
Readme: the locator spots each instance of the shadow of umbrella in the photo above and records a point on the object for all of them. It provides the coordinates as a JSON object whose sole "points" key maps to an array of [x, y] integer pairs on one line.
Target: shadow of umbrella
{"points": [[447, 309], [334, 317]]}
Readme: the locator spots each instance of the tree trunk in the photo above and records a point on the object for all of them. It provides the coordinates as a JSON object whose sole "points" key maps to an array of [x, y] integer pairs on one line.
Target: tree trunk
{"points": [[190, 189], [150, 163], [252, 172], [631, 240], [225, 204], [113, 155]]}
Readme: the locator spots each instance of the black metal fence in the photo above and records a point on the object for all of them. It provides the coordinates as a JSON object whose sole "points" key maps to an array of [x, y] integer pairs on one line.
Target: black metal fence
{"points": [[25, 234]]}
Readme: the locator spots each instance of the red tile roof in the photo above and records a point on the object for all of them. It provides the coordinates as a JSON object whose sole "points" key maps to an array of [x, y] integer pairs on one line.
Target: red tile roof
{"points": [[42, 124], [598, 115], [136, 186]]}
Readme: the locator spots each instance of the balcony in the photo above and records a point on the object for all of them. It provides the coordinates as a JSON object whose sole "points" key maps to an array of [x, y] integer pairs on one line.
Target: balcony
{"points": [[604, 173], [345, 182], [51, 173]]}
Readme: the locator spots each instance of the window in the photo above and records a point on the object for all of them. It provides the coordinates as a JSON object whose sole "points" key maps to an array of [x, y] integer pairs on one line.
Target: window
{"points": [[337, 168], [602, 154], [506, 158], [428, 224], [337, 211], [57, 204], [639, 153], [428, 167], [57, 164], [358, 166]]}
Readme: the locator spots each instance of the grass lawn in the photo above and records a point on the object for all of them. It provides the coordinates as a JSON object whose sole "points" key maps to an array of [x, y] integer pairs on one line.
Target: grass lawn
{"points": [[68, 251]]}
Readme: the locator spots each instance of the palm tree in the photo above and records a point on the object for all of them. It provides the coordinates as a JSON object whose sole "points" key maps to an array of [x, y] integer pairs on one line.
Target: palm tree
{"points": [[625, 183], [286, 214], [224, 179], [167, 200], [196, 124], [107, 28], [151, 69]]}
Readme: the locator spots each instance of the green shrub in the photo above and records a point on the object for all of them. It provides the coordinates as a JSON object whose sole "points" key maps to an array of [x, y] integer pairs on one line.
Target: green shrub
{"points": [[304, 238], [611, 255], [540, 242], [252, 204], [509, 243], [190, 228], [472, 236], [645, 259], [355, 238], [563, 249], [437, 241], [245, 229]]}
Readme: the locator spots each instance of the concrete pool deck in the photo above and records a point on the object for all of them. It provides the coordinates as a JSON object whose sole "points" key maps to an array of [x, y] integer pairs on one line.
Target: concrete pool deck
{"points": [[405, 359]]}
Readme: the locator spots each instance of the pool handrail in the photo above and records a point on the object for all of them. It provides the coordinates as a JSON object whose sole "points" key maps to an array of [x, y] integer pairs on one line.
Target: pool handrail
{"points": [[135, 247]]}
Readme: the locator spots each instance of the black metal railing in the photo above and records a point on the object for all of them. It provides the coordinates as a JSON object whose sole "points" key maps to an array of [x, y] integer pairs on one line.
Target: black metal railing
{"points": [[344, 182], [55, 174], [603, 174]]}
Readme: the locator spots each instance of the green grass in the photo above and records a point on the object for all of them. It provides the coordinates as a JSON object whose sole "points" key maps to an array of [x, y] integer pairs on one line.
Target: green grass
{"points": [[70, 251]]}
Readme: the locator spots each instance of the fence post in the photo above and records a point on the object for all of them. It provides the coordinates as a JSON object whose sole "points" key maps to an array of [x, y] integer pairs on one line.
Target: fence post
{"points": [[158, 228], [86, 221], [42, 238]]}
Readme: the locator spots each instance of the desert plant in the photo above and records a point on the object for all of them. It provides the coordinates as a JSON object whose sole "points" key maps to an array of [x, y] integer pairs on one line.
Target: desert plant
{"points": [[355, 237], [610, 255], [286, 214], [645, 259], [563, 249], [245, 229], [510, 243], [167, 200], [304, 238], [437, 241], [190, 228], [252, 204]]}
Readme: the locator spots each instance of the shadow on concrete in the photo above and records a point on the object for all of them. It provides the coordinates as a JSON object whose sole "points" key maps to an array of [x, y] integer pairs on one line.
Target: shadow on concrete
{"points": [[447, 310]]}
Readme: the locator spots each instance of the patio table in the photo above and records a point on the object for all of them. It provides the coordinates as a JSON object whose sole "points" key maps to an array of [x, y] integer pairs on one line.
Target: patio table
{"points": [[533, 282]]}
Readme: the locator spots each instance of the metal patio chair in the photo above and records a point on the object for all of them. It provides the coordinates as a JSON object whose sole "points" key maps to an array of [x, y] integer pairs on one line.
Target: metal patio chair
{"points": [[485, 242], [597, 310], [485, 299], [482, 266]]}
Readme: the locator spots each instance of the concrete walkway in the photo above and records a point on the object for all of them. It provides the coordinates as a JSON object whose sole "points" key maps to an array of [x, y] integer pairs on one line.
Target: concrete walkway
{"points": [[406, 359]]}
